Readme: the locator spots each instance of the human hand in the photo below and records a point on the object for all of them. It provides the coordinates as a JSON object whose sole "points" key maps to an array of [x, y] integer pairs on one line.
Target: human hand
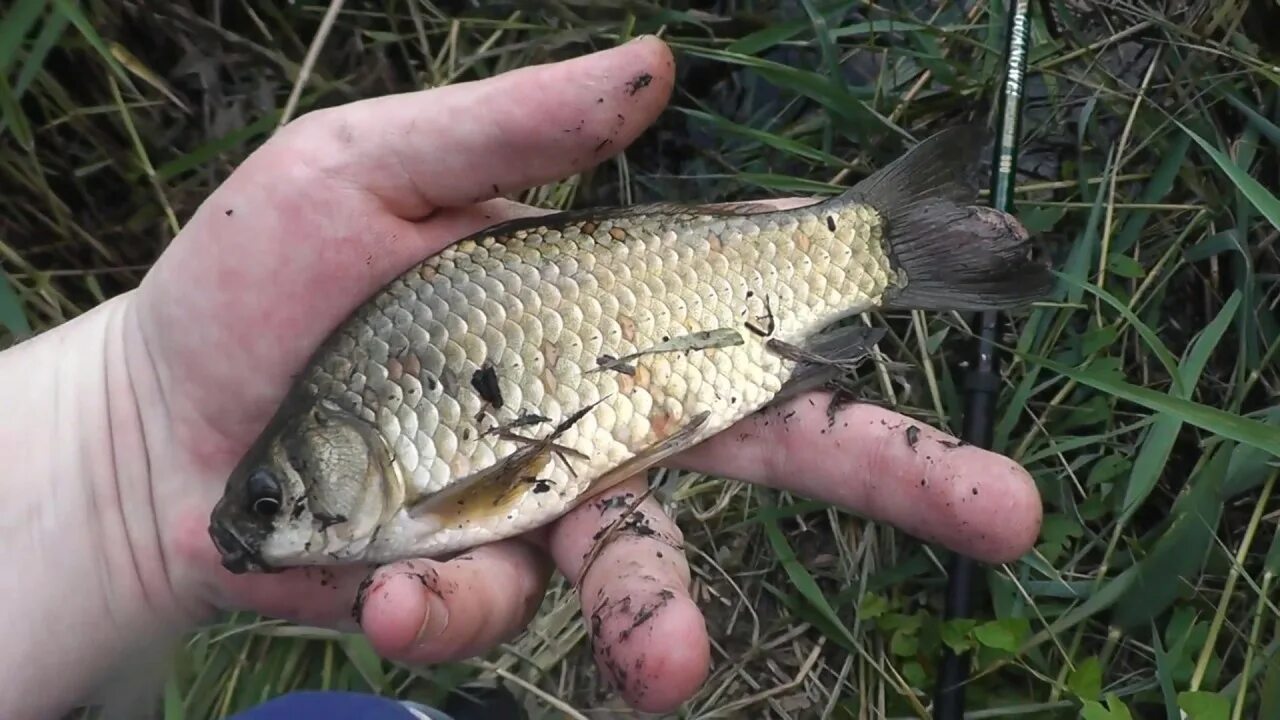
{"points": [[338, 204]]}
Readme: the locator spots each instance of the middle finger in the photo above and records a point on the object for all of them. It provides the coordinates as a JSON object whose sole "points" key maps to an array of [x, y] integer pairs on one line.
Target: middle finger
{"points": [[648, 635]]}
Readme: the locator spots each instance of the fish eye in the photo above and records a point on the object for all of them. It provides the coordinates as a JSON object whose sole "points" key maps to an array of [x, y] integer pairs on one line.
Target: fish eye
{"points": [[264, 493]]}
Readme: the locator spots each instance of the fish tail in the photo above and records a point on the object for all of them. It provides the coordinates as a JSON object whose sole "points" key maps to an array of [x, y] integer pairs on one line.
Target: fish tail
{"points": [[953, 254]]}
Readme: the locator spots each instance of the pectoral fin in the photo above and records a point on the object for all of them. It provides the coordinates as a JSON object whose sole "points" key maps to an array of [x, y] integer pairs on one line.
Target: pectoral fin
{"points": [[489, 492]]}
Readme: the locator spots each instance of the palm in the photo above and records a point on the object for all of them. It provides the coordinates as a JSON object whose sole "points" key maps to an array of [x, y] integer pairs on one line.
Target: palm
{"points": [[345, 200]]}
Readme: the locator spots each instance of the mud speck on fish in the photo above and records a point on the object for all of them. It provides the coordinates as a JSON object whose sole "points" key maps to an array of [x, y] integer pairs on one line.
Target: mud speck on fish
{"points": [[485, 382]]}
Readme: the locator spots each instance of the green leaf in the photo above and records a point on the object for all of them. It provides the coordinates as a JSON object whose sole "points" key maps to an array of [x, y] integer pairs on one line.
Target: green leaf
{"points": [[1005, 634], [895, 621], [14, 24], [1076, 266], [872, 606], [12, 316], [1108, 468], [1098, 338], [1164, 675], [1086, 680], [915, 674], [1115, 710], [1215, 244], [1271, 563], [1171, 161], [48, 38], [803, 581], [786, 183], [904, 643], [1257, 119], [955, 633], [1250, 466], [1038, 220], [1257, 194], [1056, 531], [1152, 457], [1220, 422], [1170, 565], [831, 93], [12, 116], [1108, 593], [365, 660], [1157, 346], [875, 27], [1201, 705], [772, 140], [1160, 439], [71, 10], [1207, 342], [173, 705], [761, 40], [1269, 697], [1125, 266]]}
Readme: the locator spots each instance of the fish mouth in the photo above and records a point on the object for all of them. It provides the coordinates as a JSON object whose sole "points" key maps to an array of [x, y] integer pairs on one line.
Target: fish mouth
{"points": [[237, 556]]}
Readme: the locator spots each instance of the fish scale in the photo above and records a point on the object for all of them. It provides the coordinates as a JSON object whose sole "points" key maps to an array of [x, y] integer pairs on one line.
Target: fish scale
{"points": [[627, 334]]}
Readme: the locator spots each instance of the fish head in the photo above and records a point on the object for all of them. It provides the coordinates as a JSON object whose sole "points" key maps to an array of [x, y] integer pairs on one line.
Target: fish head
{"points": [[313, 489]]}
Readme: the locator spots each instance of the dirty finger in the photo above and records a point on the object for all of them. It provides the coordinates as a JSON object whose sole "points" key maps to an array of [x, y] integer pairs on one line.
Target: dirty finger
{"points": [[649, 637], [884, 466], [425, 611]]}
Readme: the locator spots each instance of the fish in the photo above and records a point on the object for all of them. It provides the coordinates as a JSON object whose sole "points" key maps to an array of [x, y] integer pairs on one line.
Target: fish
{"points": [[500, 383]]}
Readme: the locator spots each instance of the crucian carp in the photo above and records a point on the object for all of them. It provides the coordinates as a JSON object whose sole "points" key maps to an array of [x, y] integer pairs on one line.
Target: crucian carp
{"points": [[501, 382]]}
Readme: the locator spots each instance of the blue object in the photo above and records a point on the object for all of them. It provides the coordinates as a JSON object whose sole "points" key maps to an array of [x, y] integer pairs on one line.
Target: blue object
{"points": [[318, 705]]}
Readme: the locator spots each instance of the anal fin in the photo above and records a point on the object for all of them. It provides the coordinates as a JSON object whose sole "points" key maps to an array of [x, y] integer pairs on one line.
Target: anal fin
{"points": [[685, 437]]}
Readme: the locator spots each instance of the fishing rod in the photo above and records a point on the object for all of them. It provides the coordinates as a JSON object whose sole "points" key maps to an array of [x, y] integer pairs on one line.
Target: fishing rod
{"points": [[983, 380]]}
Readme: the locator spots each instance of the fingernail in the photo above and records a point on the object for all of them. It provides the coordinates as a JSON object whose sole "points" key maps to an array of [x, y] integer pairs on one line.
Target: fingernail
{"points": [[436, 620]]}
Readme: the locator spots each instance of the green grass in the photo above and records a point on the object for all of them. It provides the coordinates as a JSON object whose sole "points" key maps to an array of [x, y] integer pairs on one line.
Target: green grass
{"points": [[1142, 396]]}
